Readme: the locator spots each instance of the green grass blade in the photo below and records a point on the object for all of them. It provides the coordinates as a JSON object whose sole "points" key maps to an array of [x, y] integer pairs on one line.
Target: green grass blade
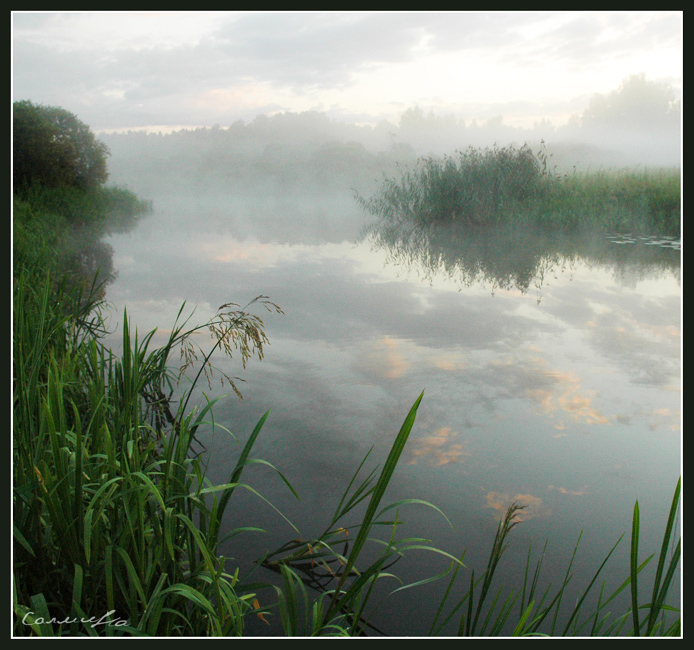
{"points": [[40, 607], [580, 601], [633, 563], [433, 630], [660, 590], [520, 627], [236, 474], [379, 490]]}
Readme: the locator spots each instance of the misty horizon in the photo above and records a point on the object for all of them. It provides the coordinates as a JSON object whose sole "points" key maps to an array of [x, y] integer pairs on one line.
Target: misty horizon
{"points": [[637, 124]]}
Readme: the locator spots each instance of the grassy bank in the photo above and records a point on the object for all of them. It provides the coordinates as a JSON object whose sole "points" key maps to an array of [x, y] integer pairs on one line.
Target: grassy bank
{"points": [[508, 186], [117, 530], [110, 509], [59, 230]]}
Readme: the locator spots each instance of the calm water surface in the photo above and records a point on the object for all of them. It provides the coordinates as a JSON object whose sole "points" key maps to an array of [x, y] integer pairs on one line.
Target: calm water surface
{"points": [[551, 376]]}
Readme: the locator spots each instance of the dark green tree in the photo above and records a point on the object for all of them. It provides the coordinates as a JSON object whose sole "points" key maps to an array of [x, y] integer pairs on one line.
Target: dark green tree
{"points": [[54, 148]]}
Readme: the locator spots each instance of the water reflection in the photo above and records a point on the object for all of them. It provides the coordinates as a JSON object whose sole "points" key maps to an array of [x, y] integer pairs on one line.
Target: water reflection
{"points": [[441, 448], [517, 258], [89, 257], [533, 506]]}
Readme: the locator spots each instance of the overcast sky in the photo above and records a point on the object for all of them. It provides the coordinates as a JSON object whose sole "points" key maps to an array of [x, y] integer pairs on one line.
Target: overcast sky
{"points": [[130, 69]]}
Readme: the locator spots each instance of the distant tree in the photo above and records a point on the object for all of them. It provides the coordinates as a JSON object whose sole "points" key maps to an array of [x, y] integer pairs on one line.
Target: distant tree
{"points": [[52, 147], [637, 103], [415, 119]]}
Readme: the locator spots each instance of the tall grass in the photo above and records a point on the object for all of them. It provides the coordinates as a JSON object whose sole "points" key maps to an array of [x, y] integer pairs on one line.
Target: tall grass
{"points": [[331, 564], [524, 611], [341, 604], [623, 200], [496, 186], [114, 518]]}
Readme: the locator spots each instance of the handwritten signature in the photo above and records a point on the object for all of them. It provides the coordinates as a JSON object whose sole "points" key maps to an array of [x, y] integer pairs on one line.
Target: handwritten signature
{"points": [[105, 619]]}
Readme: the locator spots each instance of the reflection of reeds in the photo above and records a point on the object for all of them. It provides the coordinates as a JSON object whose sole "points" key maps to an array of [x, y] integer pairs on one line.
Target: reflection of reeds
{"points": [[512, 257]]}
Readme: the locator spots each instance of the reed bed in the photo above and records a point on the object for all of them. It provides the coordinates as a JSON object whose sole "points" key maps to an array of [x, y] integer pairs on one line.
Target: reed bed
{"points": [[487, 188], [117, 530]]}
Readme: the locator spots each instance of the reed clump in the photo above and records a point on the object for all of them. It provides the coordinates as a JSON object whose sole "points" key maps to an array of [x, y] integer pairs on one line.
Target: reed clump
{"points": [[116, 527], [474, 187], [530, 611], [509, 186]]}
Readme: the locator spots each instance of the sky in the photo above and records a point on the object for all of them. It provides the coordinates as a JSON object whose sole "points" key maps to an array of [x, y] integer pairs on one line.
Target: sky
{"points": [[129, 70]]}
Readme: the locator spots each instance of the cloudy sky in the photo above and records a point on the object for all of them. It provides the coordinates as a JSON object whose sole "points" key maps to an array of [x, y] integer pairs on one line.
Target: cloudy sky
{"points": [[139, 69]]}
